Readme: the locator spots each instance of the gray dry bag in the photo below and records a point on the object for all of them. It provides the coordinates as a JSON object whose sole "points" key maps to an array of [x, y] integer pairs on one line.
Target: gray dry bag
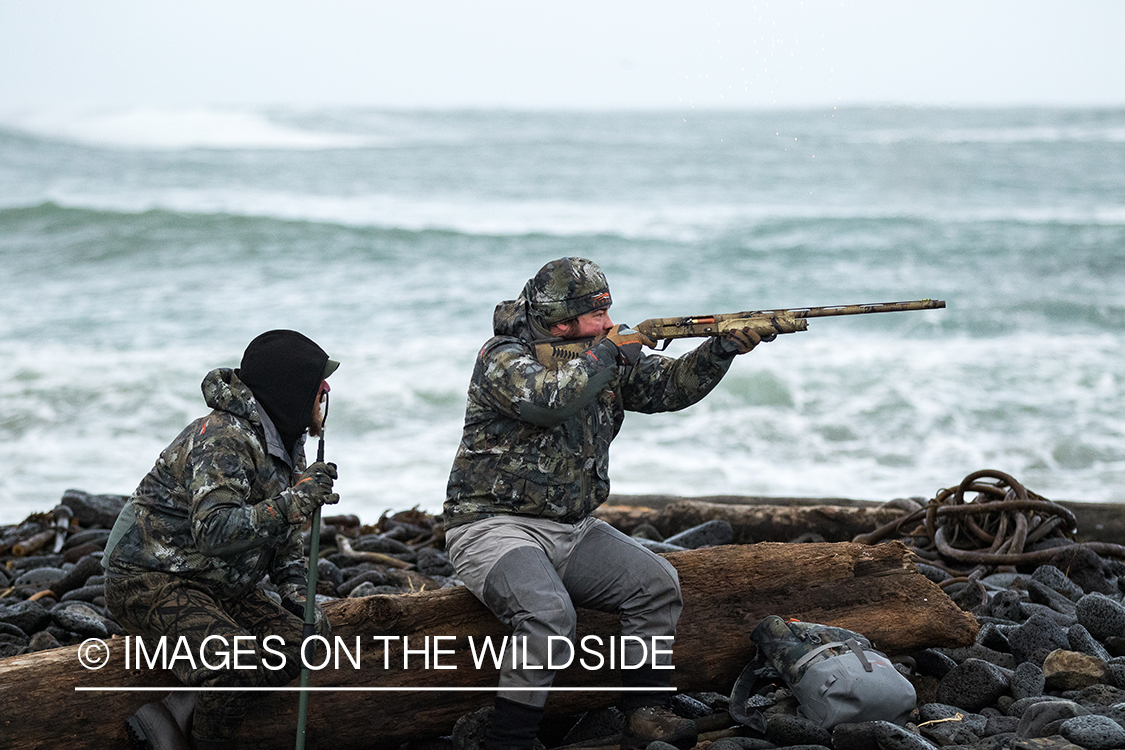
{"points": [[834, 674]]}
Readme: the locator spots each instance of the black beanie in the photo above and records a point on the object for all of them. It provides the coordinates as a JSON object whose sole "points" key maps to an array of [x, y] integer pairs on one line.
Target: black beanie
{"points": [[284, 370]]}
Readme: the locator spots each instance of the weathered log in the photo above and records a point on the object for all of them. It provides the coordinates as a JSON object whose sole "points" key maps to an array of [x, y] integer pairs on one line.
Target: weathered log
{"points": [[755, 523], [783, 517], [727, 590]]}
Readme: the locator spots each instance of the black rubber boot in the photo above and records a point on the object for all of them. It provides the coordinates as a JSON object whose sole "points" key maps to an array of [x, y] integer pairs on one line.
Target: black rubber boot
{"points": [[513, 726], [165, 725]]}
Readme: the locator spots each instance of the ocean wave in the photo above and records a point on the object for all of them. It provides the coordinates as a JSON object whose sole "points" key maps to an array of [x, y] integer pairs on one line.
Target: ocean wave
{"points": [[153, 129], [1038, 134], [470, 216]]}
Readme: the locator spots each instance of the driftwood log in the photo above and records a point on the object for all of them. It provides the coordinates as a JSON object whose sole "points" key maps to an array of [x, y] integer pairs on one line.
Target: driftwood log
{"points": [[755, 523], [782, 519], [727, 590]]}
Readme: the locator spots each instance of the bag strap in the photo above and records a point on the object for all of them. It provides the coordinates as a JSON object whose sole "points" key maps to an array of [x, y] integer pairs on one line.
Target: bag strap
{"points": [[852, 644]]}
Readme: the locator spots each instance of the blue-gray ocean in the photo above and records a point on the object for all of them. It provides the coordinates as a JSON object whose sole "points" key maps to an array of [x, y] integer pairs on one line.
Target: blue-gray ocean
{"points": [[142, 248]]}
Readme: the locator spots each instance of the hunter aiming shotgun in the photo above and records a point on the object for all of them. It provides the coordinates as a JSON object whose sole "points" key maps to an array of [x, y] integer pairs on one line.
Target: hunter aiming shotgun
{"points": [[766, 323]]}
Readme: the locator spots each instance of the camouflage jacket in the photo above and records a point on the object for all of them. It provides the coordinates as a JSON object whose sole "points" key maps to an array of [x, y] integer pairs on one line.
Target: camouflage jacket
{"points": [[193, 513], [536, 439]]}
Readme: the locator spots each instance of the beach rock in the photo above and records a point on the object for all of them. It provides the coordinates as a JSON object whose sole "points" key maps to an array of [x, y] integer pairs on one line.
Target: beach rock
{"points": [[1054, 742], [1051, 576], [1007, 605], [785, 731], [646, 531], [1097, 696], [1000, 725], [603, 722], [932, 662], [328, 571], [1081, 640], [366, 588], [1038, 636], [1102, 616], [1044, 719], [81, 620], [890, 736], [1093, 732], [949, 714], [42, 641], [1072, 670], [973, 684], [710, 534], [432, 562], [77, 576], [39, 578], [1027, 681], [747, 743], [1090, 572], [94, 511], [1040, 593], [658, 547], [28, 616]]}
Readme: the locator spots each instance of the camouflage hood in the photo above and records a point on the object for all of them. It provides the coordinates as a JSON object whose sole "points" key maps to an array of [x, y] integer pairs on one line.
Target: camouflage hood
{"points": [[511, 319], [223, 390]]}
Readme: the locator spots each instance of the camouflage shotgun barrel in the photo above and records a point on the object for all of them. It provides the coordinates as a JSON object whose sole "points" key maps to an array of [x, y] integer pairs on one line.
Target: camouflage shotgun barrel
{"points": [[766, 323]]}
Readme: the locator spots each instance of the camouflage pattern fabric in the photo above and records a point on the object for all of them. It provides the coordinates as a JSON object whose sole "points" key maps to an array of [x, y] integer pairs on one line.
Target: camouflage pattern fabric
{"points": [[203, 511], [158, 604], [509, 464], [566, 288]]}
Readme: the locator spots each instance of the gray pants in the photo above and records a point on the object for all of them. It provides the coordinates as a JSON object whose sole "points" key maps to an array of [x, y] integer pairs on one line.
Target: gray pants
{"points": [[532, 572]]}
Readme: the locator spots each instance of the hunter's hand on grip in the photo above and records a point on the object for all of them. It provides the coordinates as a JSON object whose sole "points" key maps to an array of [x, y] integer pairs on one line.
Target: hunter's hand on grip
{"points": [[740, 341], [628, 343], [311, 491]]}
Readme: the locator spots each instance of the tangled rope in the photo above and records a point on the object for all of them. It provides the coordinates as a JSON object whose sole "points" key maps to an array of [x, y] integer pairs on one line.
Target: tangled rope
{"points": [[992, 529]]}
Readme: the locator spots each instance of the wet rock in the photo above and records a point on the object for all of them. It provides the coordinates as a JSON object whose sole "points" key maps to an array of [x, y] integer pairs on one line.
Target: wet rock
{"points": [[81, 620], [710, 534], [366, 588], [1093, 732], [688, 707], [1044, 719], [973, 684], [1035, 638], [94, 511], [796, 730], [84, 594], [1102, 616]]}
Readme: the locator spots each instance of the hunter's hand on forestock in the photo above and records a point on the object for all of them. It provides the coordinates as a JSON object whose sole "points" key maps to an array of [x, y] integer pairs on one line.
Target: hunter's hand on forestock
{"points": [[739, 341], [628, 343], [311, 491]]}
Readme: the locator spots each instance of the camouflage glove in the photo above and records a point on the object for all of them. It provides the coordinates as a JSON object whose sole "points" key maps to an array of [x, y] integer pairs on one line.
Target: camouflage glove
{"points": [[738, 341], [628, 343], [311, 491], [293, 599]]}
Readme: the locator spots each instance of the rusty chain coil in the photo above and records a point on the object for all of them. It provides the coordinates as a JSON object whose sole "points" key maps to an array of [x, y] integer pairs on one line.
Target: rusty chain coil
{"points": [[988, 521]]}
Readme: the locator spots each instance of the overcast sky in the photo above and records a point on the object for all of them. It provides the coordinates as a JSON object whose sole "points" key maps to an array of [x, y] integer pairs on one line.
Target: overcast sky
{"points": [[599, 54]]}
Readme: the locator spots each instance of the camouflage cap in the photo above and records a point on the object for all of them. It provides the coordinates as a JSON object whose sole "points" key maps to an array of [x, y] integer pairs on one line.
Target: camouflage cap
{"points": [[566, 288]]}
